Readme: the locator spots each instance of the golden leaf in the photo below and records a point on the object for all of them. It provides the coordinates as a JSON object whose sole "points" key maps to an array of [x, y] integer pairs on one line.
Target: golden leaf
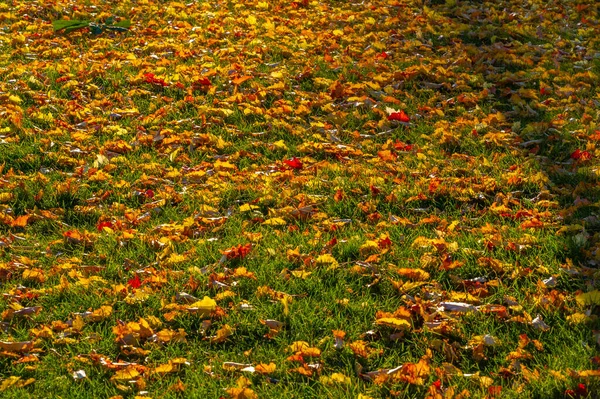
{"points": [[25, 346], [327, 259], [78, 323], [241, 393], [588, 298], [263, 368], [203, 307], [241, 79], [398, 324], [222, 334], [126, 374], [275, 222]]}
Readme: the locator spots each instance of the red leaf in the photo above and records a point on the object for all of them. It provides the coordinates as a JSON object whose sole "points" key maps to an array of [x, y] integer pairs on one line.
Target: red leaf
{"points": [[202, 82], [400, 146], [150, 78], [239, 252], [495, 391], [385, 243], [581, 155], [135, 282], [102, 225], [383, 55], [293, 163], [398, 116]]}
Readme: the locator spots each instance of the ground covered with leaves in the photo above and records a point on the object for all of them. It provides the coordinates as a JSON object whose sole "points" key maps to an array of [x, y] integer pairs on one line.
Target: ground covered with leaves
{"points": [[299, 199]]}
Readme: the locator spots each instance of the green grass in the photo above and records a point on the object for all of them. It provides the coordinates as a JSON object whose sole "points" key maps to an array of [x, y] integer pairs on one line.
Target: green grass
{"points": [[191, 172]]}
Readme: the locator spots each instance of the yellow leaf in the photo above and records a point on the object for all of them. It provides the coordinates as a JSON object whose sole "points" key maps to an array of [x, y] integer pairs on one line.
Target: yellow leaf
{"points": [[173, 155], [34, 274], [589, 373], [455, 296], [398, 324], [298, 346], [9, 382], [327, 259], [311, 352], [338, 33], [24, 346], [263, 368], [175, 258], [251, 20], [14, 381], [203, 307], [222, 334], [225, 294], [285, 301], [243, 382], [248, 208], [369, 247], [6, 197], [275, 222], [101, 314], [224, 165], [78, 323], [126, 374], [413, 274], [166, 368], [303, 274], [577, 318], [241, 393], [589, 298], [335, 378]]}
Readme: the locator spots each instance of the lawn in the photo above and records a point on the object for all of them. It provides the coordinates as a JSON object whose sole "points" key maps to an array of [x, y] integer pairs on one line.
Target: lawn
{"points": [[300, 199]]}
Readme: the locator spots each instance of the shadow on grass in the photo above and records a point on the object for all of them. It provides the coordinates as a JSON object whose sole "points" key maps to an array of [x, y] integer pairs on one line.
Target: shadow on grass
{"points": [[539, 71]]}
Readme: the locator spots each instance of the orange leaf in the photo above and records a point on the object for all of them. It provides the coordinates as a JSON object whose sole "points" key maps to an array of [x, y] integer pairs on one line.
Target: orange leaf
{"points": [[263, 368], [241, 80], [20, 221]]}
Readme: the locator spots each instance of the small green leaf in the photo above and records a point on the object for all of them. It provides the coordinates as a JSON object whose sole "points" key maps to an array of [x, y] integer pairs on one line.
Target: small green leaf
{"points": [[123, 24], [70, 25]]}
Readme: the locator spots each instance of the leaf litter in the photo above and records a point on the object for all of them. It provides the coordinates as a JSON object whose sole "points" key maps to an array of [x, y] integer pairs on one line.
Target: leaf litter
{"points": [[390, 198]]}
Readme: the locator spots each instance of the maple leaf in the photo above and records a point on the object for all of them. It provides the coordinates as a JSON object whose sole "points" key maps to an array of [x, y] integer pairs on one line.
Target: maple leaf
{"points": [[201, 83], [384, 242], [237, 252], [135, 282], [20, 221], [222, 334], [101, 225], [579, 155], [399, 116], [293, 163], [400, 146], [150, 78], [263, 368]]}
